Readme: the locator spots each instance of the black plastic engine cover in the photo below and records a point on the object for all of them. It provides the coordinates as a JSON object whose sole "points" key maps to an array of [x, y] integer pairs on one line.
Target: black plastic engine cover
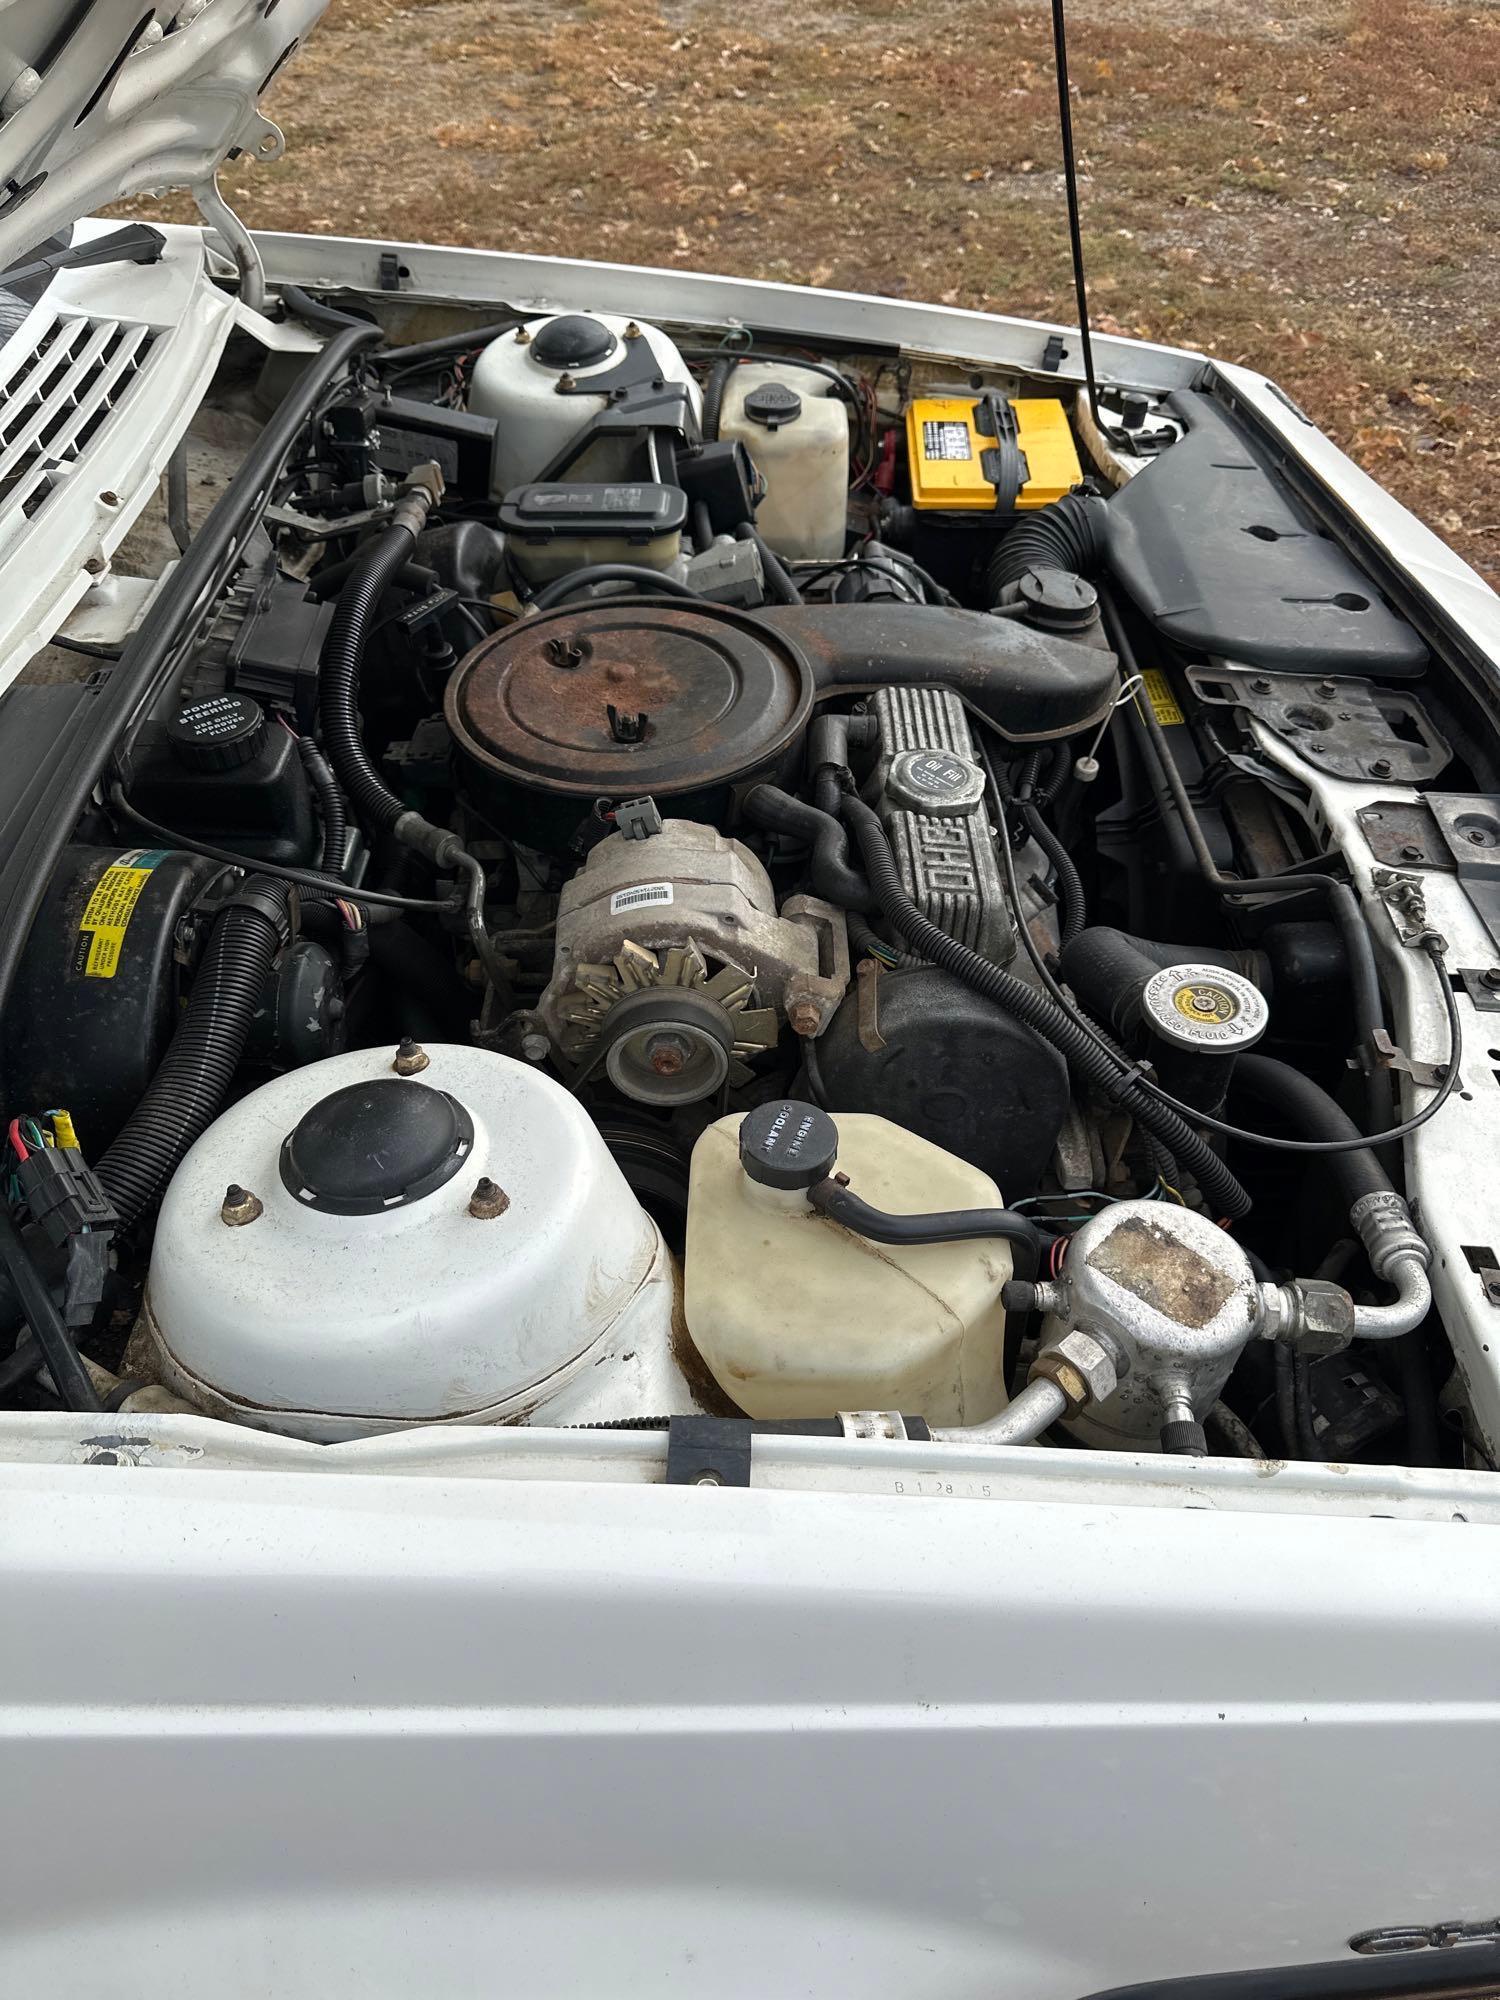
{"points": [[1214, 548], [951, 1067]]}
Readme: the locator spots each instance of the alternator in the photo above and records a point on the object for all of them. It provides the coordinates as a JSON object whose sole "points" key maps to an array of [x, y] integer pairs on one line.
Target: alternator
{"points": [[673, 969]]}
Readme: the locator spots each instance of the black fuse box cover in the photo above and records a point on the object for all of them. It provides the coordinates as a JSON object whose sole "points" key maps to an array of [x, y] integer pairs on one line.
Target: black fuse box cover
{"points": [[579, 511]]}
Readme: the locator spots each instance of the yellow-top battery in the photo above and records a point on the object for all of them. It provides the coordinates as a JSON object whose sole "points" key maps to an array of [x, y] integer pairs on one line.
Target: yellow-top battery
{"points": [[978, 453]]}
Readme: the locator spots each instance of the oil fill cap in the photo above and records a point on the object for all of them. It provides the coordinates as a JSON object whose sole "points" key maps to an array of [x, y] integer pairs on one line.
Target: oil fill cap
{"points": [[788, 1145], [374, 1146], [773, 404], [1205, 1007]]}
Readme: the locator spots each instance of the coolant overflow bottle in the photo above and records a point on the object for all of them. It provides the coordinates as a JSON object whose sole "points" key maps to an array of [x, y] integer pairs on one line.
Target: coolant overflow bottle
{"points": [[796, 1316]]}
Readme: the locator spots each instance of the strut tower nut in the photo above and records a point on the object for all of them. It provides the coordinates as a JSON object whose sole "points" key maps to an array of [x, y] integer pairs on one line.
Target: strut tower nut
{"points": [[239, 1206], [488, 1200], [411, 1059]]}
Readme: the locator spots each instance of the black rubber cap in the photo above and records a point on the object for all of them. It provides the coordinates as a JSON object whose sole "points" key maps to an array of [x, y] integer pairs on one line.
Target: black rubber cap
{"points": [[374, 1146], [773, 404], [1057, 599], [218, 732], [574, 341], [787, 1144], [1184, 1439]]}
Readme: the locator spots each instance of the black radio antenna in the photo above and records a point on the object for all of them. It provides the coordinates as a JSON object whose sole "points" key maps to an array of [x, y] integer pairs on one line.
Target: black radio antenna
{"points": [[1070, 177]]}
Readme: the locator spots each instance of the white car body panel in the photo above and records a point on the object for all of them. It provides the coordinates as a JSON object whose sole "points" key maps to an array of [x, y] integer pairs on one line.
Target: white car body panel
{"points": [[292, 1733]]}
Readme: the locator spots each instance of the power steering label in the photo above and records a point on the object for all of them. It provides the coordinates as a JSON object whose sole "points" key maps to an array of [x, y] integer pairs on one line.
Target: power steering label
{"points": [[644, 896], [106, 916]]}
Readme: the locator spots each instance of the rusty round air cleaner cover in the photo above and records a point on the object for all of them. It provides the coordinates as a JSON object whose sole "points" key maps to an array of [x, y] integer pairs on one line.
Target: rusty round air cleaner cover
{"points": [[635, 696]]}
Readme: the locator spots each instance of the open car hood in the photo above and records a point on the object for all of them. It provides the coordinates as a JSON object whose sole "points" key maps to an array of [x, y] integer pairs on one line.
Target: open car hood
{"points": [[115, 97]]}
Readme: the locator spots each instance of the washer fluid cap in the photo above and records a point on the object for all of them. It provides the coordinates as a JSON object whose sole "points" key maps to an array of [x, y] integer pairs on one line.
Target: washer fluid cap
{"points": [[788, 1145], [574, 340], [375, 1146], [1205, 1007], [773, 404]]}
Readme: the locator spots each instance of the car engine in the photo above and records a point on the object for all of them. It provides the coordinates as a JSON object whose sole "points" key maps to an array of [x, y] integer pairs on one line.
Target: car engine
{"points": [[677, 875]]}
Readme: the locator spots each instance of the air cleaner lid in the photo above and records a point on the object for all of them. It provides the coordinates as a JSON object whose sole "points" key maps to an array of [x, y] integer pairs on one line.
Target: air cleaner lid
{"points": [[623, 698], [1205, 1007]]}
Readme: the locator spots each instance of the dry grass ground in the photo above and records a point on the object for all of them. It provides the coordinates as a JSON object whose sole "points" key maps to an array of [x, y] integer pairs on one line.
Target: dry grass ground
{"points": [[1317, 194]]}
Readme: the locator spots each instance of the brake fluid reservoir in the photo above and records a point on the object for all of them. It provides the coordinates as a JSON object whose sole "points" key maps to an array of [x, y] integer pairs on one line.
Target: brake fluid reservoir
{"points": [[544, 383], [440, 1238], [798, 1317], [794, 428]]}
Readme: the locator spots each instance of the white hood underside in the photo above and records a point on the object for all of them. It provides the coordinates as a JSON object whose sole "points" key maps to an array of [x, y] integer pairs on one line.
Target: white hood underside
{"points": [[116, 98]]}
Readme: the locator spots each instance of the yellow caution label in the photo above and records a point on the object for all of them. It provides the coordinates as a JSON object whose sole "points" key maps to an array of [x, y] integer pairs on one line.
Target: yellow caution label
{"points": [[107, 914], [1159, 693]]}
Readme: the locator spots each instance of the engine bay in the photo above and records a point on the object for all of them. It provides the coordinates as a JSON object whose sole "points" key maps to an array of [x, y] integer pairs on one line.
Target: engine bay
{"points": [[676, 875]]}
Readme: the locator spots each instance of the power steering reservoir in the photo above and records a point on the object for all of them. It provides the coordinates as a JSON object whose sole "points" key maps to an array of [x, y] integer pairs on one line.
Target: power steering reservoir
{"points": [[796, 1316]]}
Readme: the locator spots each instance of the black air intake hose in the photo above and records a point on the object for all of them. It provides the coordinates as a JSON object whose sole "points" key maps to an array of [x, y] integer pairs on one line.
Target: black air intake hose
{"points": [[1083, 1055], [190, 1085], [1069, 534], [829, 869], [374, 571]]}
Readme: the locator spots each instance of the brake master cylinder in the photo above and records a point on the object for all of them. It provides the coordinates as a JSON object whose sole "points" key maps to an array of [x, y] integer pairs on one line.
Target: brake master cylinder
{"points": [[797, 1316]]}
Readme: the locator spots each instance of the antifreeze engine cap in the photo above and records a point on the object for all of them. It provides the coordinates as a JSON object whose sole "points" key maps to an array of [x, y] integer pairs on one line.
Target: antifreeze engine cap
{"points": [[1205, 1007], [788, 1145]]}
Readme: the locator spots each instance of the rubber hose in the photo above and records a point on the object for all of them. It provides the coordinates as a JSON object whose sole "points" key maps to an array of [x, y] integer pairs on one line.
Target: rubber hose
{"points": [[1316, 1115], [958, 1225], [1069, 534], [330, 804], [1040, 1013], [779, 585], [192, 1080], [338, 682], [1071, 910], [832, 874], [714, 385], [655, 580], [1308, 1107]]}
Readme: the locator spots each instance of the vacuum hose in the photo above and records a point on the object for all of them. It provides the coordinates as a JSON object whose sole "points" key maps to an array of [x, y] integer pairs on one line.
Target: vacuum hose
{"points": [[190, 1085], [374, 571], [1051, 1022]]}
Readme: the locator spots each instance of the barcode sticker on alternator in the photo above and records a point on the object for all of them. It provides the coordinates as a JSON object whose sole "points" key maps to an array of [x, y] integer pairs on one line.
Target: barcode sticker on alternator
{"points": [[643, 896]]}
